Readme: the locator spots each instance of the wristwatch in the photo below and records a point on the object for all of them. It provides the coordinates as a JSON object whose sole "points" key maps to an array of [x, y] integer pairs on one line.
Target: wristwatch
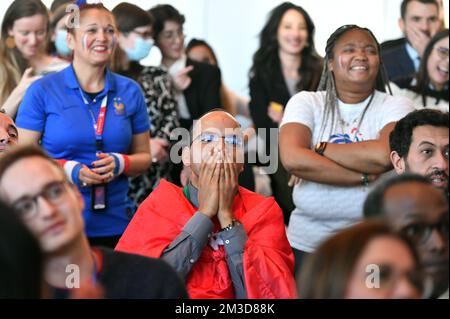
{"points": [[365, 180], [233, 224], [320, 148]]}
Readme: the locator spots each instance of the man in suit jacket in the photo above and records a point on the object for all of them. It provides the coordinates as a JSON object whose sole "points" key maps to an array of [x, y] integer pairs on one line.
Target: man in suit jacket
{"points": [[420, 20]]}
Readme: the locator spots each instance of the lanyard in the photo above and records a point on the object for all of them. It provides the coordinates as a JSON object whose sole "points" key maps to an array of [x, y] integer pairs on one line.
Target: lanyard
{"points": [[186, 194], [100, 123]]}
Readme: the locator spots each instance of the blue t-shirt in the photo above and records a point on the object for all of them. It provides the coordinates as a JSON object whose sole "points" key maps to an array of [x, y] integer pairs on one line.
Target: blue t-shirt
{"points": [[54, 106]]}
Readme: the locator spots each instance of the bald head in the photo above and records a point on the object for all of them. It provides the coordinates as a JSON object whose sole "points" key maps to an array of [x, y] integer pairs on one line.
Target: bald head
{"points": [[215, 132], [407, 201], [220, 120], [420, 211], [8, 133]]}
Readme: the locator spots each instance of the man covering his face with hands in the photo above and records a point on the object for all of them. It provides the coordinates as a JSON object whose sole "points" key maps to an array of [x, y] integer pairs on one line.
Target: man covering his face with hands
{"points": [[225, 241]]}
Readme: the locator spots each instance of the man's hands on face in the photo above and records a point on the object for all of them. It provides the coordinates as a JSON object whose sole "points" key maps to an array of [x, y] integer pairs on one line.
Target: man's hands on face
{"points": [[217, 186], [208, 184], [418, 39], [228, 187]]}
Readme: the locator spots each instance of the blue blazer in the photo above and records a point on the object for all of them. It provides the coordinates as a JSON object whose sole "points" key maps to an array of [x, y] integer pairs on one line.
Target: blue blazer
{"points": [[397, 62]]}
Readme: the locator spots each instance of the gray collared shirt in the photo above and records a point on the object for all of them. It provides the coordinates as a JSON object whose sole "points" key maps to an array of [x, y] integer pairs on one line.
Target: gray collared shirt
{"points": [[186, 249]]}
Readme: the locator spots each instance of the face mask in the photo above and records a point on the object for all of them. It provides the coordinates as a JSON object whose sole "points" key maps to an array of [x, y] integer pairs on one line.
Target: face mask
{"points": [[141, 49], [61, 43]]}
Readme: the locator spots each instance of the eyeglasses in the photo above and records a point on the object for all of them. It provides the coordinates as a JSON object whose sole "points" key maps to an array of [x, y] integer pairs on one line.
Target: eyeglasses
{"points": [[420, 233], [143, 35], [231, 140], [389, 277], [28, 206], [173, 35], [442, 52]]}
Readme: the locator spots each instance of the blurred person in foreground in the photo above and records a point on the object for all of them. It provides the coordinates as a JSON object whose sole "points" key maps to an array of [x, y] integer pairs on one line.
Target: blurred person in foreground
{"points": [[412, 206], [366, 261], [51, 208]]}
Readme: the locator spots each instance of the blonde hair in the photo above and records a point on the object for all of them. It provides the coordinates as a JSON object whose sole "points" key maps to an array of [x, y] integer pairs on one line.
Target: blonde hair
{"points": [[12, 63], [10, 70]]}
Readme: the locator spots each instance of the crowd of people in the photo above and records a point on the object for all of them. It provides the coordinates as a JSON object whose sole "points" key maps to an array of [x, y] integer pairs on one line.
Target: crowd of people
{"points": [[119, 180]]}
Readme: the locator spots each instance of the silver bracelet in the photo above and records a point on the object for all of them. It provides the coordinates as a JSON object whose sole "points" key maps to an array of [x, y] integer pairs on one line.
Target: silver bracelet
{"points": [[233, 224]]}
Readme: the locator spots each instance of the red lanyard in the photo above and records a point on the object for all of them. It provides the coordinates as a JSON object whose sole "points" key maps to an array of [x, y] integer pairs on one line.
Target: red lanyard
{"points": [[100, 123], [101, 118]]}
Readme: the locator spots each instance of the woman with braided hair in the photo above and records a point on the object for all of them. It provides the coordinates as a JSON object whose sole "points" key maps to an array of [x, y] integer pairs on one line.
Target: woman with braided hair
{"points": [[336, 140]]}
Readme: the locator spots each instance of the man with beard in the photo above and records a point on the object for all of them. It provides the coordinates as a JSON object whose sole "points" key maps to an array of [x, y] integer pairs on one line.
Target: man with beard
{"points": [[413, 207], [8, 133], [419, 144]]}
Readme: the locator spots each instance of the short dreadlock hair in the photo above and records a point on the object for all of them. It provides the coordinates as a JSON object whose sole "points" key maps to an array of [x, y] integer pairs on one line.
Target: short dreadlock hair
{"points": [[328, 83]]}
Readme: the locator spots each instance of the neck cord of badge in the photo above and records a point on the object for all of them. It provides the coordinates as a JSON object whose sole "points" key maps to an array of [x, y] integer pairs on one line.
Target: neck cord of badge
{"points": [[100, 123]]}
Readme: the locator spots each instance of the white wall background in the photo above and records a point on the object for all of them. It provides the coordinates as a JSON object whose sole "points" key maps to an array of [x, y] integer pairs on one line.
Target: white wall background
{"points": [[232, 26]]}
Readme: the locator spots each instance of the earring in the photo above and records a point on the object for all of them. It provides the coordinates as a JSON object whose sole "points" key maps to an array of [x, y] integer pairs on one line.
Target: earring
{"points": [[10, 42]]}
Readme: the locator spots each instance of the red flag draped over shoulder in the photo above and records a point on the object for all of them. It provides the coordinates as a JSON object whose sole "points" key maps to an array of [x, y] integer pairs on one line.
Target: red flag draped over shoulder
{"points": [[268, 259]]}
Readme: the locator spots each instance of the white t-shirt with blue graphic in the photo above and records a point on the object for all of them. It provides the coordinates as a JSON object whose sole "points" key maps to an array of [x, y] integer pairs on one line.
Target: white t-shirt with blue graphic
{"points": [[321, 210]]}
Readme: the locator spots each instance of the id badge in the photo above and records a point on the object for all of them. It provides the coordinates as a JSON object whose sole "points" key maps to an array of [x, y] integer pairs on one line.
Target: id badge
{"points": [[98, 197]]}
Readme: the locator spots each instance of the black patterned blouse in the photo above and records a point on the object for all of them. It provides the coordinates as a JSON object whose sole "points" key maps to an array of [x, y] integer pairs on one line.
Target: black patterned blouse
{"points": [[162, 110]]}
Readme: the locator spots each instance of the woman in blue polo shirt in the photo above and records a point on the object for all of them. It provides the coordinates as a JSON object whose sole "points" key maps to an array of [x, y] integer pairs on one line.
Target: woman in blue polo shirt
{"points": [[95, 122]]}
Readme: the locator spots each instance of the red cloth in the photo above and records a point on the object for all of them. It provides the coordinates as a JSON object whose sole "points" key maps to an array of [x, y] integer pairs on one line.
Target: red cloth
{"points": [[62, 162], [268, 259]]}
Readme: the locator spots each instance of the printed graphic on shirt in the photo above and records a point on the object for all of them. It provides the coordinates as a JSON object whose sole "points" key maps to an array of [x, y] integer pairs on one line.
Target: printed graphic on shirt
{"points": [[354, 137], [118, 106]]}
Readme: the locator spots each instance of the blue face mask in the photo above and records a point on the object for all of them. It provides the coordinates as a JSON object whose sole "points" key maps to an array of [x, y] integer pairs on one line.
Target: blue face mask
{"points": [[61, 43], [141, 49]]}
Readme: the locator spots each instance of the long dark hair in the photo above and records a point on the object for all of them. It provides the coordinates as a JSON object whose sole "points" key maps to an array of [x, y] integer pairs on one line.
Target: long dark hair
{"points": [[328, 83], [21, 258], [13, 63], [266, 60], [423, 78], [202, 43], [327, 272]]}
